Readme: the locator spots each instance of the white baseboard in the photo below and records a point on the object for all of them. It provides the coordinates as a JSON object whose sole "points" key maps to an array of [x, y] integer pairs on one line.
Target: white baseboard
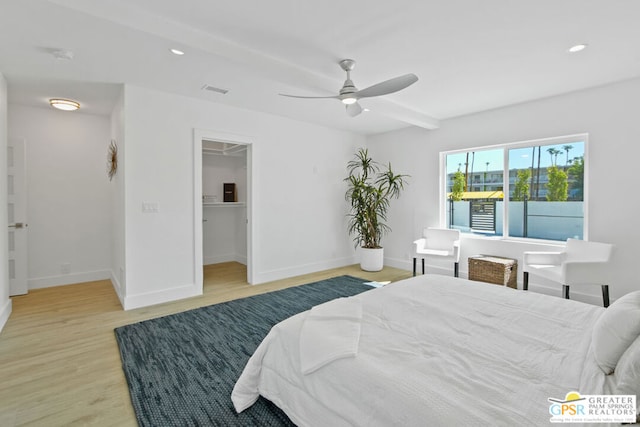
{"points": [[556, 291], [270, 276], [403, 264], [166, 295], [398, 263], [242, 259], [68, 279], [5, 312], [533, 287], [117, 286]]}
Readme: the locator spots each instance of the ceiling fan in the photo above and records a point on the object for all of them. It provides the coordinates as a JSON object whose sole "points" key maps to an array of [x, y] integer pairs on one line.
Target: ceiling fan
{"points": [[349, 94]]}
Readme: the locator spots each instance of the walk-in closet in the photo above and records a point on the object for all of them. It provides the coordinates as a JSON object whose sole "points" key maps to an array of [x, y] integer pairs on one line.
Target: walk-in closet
{"points": [[224, 202]]}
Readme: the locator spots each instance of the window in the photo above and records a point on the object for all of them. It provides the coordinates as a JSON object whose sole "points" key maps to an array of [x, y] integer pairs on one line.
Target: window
{"points": [[544, 196]]}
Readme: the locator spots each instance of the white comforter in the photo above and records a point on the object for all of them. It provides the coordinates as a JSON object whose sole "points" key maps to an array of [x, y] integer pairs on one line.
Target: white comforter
{"points": [[432, 350]]}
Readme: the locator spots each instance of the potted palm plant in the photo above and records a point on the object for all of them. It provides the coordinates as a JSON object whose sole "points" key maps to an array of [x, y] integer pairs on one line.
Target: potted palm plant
{"points": [[370, 189]]}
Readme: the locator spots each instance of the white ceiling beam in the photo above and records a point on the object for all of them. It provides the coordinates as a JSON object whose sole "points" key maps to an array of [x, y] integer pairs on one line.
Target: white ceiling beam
{"points": [[272, 68]]}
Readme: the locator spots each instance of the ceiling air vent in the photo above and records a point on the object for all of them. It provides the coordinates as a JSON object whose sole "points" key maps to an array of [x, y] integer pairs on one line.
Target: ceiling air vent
{"points": [[214, 89]]}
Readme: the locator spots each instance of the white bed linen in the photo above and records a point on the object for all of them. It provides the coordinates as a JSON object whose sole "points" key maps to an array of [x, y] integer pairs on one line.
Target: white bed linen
{"points": [[433, 350], [330, 331]]}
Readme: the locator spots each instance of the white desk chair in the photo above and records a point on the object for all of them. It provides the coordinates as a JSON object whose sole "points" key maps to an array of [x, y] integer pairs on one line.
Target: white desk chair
{"points": [[581, 263], [438, 243]]}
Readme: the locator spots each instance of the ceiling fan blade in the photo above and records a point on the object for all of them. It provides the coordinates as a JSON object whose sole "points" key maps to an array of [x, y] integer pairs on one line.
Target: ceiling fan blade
{"points": [[354, 109], [309, 97], [388, 86]]}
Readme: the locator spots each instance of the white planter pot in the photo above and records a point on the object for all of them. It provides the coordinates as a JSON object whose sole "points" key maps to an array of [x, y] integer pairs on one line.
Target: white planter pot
{"points": [[371, 259]]}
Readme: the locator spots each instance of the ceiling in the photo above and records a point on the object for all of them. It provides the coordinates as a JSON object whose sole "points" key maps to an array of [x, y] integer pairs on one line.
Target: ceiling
{"points": [[470, 56]]}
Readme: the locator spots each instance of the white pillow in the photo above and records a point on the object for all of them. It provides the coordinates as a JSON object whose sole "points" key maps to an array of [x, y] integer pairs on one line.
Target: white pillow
{"points": [[615, 330], [627, 372]]}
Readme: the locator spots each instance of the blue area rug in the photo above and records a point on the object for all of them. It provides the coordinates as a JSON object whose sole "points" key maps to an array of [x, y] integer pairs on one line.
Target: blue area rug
{"points": [[181, 368]]}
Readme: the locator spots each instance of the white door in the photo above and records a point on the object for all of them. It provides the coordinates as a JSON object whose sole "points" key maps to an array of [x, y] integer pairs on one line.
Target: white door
{"points": [[17, 213]]}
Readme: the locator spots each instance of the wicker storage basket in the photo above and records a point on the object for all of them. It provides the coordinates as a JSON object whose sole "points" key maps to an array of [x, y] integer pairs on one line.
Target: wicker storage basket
{"points": [[492, 269]]}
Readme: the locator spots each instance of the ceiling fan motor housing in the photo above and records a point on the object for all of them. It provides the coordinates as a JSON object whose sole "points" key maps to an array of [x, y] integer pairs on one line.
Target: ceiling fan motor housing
{"points": [[348, 87]]}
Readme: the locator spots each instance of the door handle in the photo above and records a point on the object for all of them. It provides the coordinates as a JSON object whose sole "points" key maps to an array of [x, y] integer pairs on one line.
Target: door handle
{"points": [[17, 225]]}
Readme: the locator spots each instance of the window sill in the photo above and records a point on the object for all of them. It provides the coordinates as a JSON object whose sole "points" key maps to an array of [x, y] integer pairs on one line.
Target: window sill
{"points": [[509, 239]]}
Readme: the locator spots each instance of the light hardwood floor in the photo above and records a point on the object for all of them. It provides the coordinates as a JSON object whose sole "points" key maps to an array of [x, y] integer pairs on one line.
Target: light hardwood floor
{"points": [[59, 360]]}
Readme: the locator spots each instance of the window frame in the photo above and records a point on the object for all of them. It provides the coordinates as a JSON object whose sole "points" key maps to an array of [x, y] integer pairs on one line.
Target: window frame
{"points": [[556, 140]]}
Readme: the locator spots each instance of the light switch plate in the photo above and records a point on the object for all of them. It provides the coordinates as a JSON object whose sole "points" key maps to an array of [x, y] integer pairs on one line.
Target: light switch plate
{"points": [[150, 207]]}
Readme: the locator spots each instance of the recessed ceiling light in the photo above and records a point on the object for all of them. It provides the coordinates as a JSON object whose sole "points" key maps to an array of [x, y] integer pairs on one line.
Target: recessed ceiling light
{"points": [[577, 48], [176, 51], [64, 104], [365, 110]]}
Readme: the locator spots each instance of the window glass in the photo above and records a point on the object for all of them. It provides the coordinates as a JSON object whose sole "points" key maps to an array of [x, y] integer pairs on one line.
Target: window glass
{"points": [[544, 197], [475, 191], [546, 194]]}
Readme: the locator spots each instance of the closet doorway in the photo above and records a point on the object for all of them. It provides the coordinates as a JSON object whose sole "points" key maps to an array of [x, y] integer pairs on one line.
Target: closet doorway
{"points": [[222, 200]]}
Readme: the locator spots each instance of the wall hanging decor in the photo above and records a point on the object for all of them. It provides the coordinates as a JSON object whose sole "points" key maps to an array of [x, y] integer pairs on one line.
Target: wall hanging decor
{"points": [[112, 159]]}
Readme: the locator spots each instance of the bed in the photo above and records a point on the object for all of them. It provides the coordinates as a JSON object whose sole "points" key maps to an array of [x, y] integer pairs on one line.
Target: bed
{"points": [[438, 350]]}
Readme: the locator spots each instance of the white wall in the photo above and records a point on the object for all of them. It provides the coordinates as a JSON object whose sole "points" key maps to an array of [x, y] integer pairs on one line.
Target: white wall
{"points": [[608, 114], [224, 226], [299, 223], [224, 234], [5, 302], [68, 194], [118, 265], [218, 169]]}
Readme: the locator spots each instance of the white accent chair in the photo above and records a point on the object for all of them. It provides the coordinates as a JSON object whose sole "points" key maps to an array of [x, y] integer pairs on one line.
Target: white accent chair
{"points": [[440, 243], [581, 263]]}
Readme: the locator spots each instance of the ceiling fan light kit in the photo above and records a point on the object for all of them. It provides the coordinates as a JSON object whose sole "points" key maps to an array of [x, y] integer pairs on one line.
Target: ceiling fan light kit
{"points": [[349, 94]]}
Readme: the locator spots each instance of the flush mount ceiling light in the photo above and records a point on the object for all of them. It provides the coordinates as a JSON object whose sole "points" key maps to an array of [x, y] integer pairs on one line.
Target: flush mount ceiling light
{"points": [[577, 48], [176, 52], [64, 104]]}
